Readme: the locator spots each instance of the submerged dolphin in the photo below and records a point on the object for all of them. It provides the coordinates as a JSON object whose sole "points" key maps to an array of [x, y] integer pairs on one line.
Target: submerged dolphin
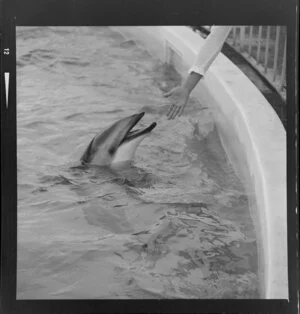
{"points": [[116, 144]]}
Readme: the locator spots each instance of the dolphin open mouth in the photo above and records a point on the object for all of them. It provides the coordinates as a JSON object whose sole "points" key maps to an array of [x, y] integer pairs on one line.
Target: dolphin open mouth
{"points": [[132, 134]]}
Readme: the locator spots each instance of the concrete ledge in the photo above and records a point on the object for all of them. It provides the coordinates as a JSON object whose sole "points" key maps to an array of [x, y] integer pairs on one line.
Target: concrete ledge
{"points": [[252, 135]]}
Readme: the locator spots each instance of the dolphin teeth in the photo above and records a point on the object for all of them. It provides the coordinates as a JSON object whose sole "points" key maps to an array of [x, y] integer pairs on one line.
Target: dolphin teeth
{"points": [[131, 132], [138, 132]]}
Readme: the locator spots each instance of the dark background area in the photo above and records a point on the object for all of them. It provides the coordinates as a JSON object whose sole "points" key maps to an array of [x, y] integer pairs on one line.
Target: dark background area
{"points": [[137, 12]]}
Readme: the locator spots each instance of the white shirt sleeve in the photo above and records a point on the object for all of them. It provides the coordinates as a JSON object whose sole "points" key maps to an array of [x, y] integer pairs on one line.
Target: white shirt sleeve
{"points": [[210, 49]]}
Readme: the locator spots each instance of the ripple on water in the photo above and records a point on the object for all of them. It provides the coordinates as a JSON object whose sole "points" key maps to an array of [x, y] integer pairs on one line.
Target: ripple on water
{"points": [[175, 224]]}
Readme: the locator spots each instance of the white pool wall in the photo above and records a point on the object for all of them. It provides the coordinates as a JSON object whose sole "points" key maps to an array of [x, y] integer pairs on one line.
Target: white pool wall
{"points": [[252, 134]]}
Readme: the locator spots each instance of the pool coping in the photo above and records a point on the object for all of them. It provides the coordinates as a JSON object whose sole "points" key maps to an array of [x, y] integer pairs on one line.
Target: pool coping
{"points": [[260, 133]]}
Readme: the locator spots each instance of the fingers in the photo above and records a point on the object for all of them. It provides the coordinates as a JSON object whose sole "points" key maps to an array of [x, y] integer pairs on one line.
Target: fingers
{"points": [[174, 110], [169, 93], [179, 99], [181, 111], [173, 92], [171, 108], [171, 111]]}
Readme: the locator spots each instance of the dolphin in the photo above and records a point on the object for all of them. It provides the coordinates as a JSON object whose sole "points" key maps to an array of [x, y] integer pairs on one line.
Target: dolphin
{"points": [[116, 144]]}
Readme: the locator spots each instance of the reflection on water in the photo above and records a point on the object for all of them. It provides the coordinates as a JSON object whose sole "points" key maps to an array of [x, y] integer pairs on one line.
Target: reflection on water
{"points": [[174, 224]]}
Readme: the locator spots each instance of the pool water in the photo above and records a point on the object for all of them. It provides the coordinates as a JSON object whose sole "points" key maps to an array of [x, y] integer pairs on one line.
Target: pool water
{"points": [[175, 223]]}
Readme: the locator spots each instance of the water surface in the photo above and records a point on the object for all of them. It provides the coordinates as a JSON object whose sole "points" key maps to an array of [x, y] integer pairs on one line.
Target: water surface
{"points": [[173, 224]]}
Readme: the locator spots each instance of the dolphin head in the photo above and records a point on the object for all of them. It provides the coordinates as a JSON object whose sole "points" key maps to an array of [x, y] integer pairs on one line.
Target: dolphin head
{"points": [[116, 144]]}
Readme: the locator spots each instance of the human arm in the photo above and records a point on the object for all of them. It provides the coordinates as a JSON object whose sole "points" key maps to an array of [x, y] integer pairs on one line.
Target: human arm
{"points": [[212, 46], [180, 94]]}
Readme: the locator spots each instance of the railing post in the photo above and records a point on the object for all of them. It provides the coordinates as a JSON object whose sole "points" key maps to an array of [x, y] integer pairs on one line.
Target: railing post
{"points": [[234, 35], [242, 37], [259, 44], [267, 48], [250, 40], [283, 70], [276, 52]]}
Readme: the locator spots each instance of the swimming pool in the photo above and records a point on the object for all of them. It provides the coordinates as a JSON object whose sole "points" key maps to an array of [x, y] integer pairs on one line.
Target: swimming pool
{"points": [[174, 224], [252, 135]]}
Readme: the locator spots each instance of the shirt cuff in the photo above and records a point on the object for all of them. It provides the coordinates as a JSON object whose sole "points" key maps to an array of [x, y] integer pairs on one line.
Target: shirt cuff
{"points": [[197, 69], [210, 49]]}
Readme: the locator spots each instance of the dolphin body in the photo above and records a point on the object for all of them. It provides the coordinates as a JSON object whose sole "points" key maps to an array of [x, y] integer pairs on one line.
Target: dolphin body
{"points": [[116, 144]]}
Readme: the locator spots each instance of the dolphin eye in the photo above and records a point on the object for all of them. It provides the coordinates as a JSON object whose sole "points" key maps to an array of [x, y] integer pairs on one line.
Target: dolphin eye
{"points": [[112, 150]]}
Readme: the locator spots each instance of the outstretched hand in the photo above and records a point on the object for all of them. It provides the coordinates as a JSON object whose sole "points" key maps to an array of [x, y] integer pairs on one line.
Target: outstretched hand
{"points": [[179, 97]]}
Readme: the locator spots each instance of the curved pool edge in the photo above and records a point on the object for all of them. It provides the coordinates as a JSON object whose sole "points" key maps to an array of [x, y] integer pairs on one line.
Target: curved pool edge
{"points": [[252, 135]]}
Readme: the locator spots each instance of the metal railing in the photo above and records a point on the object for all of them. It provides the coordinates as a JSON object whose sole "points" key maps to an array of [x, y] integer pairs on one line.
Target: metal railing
{"points": [[264, 47]]}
